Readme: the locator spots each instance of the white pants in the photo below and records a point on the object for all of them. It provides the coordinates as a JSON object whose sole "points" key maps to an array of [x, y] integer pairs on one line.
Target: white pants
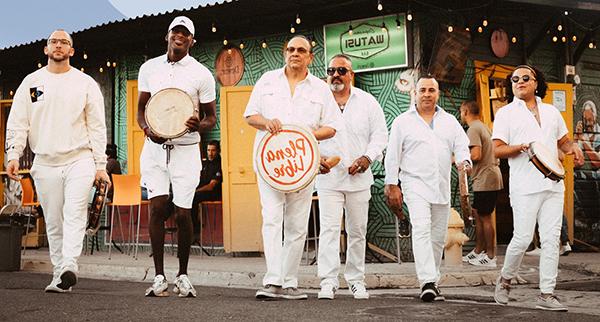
{"points": [[331, 207], [290, 212], [429, 228], [547, 209], [63, 192], [182, 172]]}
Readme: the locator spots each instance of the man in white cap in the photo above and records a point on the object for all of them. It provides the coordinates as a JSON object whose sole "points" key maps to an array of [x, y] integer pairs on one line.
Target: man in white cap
{"points": [[174, 163]]}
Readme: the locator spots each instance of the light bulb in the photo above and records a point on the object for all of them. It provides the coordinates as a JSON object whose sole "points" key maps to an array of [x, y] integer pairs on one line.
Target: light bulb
{"points": [[114, 64], [554, 39], [574, 38], [409, 16], [107, 64], [241, 45], [313, 43], [82, 69], [350, 31], [484, 22], [39, 65], [225, 42], [514, 40], [450, 28], [383, 27], [559, 27], [298, 20], [264, 44], [229, 51], [11, 93], [564, 39], [379, 5], [479, 29], [292, 29], [214, 28], [101, 70], [85, 56], [591, 45]]}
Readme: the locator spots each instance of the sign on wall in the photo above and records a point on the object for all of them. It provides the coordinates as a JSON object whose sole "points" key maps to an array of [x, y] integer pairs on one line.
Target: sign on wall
{"points": [[373, 44]]}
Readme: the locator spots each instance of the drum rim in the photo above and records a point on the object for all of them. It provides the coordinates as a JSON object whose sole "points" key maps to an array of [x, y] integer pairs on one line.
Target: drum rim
{"points": [[533, 146], [311, 174], [167, 136]]}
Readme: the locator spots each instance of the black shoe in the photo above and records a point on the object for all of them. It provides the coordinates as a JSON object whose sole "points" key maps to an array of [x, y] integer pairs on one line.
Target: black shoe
{"points": [[429, 292], [67, 279]]}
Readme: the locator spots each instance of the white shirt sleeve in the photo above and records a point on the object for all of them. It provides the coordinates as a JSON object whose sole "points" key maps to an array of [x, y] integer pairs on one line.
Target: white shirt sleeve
{"points": [[329, 116], [143, 85], [501, 129], [207, 89], [96, 124], [254, 106], [561, 129], [17, 126], [378, 135], [461, 145], [394, 154]]}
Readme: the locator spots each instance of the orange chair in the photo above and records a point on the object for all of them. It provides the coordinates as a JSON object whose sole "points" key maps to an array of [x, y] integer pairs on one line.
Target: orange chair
{"points": [[28, 200], [127, 192]]}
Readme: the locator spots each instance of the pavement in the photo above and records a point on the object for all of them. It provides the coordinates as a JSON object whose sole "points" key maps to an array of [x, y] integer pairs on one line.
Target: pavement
{"points": [[247, 272]]}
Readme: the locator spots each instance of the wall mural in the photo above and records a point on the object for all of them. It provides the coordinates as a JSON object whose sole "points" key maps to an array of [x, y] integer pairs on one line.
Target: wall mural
{"points": [[587, 177]]}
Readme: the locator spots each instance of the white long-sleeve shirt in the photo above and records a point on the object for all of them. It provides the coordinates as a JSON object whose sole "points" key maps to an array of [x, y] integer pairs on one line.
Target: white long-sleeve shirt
{"points": [[420, 155], [515, 125], [62, 115], [364, 133], [312, 105]]}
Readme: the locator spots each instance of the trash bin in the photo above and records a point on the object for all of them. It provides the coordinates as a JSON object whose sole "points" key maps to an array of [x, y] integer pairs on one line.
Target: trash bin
{"points": [[11, 233]]}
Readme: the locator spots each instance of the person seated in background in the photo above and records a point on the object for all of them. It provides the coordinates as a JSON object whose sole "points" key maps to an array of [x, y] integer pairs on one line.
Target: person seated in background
{"points": [[209, 188], [112, 165]]}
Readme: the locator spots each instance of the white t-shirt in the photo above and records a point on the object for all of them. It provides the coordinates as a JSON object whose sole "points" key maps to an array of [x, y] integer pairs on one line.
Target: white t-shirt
{"points": [[514, 124], [364, 133], [186, 74], [62, 115], [312, 105]]}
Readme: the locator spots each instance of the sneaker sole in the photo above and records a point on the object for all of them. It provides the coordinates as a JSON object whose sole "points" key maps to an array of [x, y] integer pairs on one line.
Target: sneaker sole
{"points": [[161, 294], [56, 290], [500, 303], [325, 296], [266, 296], [545, 308], [428, 296], [361, 297], [67, 280]]}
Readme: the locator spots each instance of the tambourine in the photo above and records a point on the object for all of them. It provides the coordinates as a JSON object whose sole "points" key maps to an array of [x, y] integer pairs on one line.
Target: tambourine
{"points": [[545, 162], [289, 160], [167, 111], [95, 208]]}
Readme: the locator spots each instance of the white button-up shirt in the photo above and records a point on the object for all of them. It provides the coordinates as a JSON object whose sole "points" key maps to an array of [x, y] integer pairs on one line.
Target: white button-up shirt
{"points": [[420, 154], [364, 133], [515, 125], [312, 105], [187, 75]]}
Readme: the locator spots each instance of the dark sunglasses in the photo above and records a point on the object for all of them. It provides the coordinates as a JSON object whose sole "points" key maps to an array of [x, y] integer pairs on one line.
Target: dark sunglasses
{"points": [[515, 79], [341, 71]]}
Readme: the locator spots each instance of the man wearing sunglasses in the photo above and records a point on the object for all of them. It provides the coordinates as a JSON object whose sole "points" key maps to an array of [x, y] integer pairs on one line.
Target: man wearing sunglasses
{"points": [[61, 111], [290, 95], [347, 186], [423, 141], [533, 197]]}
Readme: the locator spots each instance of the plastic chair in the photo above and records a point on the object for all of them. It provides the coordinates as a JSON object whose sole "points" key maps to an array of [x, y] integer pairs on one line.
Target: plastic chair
{"points": [[28, 200], [127, 192]]}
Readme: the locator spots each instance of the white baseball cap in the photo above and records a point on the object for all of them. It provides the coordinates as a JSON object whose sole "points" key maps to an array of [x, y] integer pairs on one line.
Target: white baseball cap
{"points": [[182, 21]]}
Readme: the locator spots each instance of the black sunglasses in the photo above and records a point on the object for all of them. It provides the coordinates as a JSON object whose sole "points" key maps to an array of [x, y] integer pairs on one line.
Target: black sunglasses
{"points": [[341, 71], [515, 79]]}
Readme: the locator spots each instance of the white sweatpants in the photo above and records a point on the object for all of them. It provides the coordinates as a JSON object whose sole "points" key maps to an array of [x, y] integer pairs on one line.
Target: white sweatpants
{"points": [[429, 228], [547, 209], [290, 212], [63, 192], [331, 207]]}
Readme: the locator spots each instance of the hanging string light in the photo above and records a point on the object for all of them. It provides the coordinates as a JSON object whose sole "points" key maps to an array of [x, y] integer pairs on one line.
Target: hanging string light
{"points": [[479, 29], [350, 31], [225, 42], [398, 24], [450, 28], [292, 29], [514, 39], [264, 44], [313, 43], [484, 22], [554, 39], [101, 70], [298, 20], [213, 28], [379, 5], [383, 27], [559, 27], [39, 65], [107, 63], [11, 93], [409, 15], [82, 70], [242, 44], [574, 38], [114, 64], [85, 56], [563, 39]]}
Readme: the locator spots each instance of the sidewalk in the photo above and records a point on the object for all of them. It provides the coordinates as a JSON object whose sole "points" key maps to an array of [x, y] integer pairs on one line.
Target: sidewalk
{"points": [[247, 272]]}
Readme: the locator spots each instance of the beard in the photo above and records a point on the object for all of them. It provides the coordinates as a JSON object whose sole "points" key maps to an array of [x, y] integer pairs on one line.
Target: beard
{"points": [[57, 58], [336, 87]]}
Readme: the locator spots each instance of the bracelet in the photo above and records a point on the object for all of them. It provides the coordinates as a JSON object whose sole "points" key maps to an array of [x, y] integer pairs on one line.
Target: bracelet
{"points": [[368, 159]]}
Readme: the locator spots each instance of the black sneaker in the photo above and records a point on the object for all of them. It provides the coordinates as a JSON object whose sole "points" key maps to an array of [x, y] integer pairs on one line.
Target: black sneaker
{"points": [[428, 292]]}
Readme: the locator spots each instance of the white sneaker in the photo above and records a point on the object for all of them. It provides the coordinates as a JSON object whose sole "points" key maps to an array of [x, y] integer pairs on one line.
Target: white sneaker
{"points": [[359, 291], [327, 291], [159, 287], [184, 287], [484, 261], [535, 252], [472, 255], [565, 249], [67, 278], [53, 287]]}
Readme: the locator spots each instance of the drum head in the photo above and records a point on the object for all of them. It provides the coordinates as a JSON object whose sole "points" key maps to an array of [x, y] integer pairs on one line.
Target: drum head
{"points": [[289, 160], [545, 157], [166, 112]]}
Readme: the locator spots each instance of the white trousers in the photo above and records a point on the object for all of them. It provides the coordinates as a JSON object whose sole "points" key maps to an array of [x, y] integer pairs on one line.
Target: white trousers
{"points": [[429, 228], [546, 208], [288, 212], [331, 208], [63, 192]]}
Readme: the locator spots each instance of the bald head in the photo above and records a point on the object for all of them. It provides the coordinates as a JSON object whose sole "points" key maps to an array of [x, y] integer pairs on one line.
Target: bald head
{"points": [[61, 34]]}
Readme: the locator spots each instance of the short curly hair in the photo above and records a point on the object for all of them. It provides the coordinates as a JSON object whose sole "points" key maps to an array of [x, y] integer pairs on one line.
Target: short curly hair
{"points": [[542, 86]]}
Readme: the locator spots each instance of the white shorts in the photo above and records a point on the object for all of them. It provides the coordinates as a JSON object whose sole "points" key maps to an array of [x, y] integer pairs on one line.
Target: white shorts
{"points": [[182, 172]]}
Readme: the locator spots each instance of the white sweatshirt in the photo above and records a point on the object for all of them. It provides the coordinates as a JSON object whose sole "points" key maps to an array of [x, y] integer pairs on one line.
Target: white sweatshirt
{"points": [[62, 115]]}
